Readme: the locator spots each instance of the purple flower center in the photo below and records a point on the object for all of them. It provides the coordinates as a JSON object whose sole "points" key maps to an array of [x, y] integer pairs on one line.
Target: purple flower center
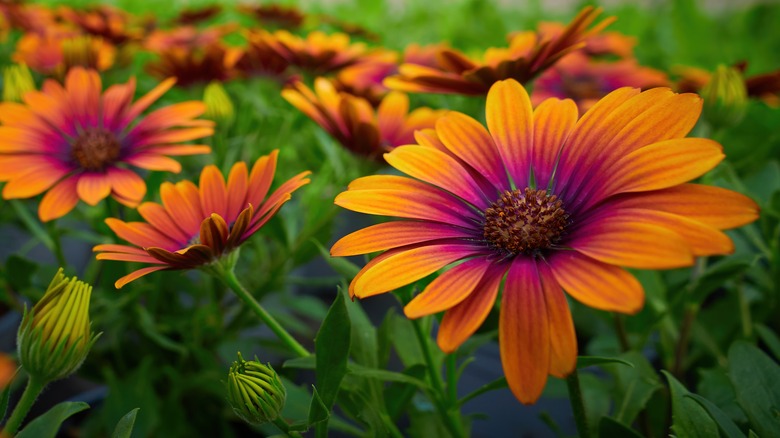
{"points": [[95, 149], [525, 221]]}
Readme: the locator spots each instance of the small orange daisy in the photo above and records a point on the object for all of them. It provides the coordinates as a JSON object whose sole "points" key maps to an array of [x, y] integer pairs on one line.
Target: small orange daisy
{"points": [[110, 23], [57, 51], [76, 142], [194, 227], [193, 65], [542, 202], [318, 53], [528, 54], [353, 121]]}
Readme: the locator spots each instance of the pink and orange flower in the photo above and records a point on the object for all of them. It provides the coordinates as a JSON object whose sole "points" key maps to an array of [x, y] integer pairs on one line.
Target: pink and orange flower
{"points": [[76, 142], [104, 21], [353, 121], [528, 55], [586, 80], [258, 58], [318, 53], [542, 201], [194, 227], [57, 51]]}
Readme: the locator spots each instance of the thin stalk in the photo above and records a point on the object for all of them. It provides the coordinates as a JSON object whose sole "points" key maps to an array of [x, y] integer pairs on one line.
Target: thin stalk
{"points": [[285, 428], [451, 421], [31, 392], [681, 350], [391, 426], [577, 404], [57, 249], [452, 380], [229, 277], [744, 311], [622, 334]]}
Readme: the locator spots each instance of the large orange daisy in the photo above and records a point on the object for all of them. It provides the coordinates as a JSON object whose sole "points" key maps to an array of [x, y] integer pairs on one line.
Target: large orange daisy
{"points": [[193, 226], [76, 142], [542, 202]]}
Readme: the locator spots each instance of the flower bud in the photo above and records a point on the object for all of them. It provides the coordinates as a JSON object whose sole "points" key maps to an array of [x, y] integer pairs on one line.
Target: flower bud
{"points": [[219, 107], [17, 80], [725, 97], [255, 391], [55, 337]]}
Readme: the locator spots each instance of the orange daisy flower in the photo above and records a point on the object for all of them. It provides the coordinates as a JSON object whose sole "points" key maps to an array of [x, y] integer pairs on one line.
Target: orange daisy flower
{"points": [[186, 37], [354, 123], [76, 142], [548, 202], [528, 54], [193, 65], [605, 43], [197, 15], [365, 79], [279, 15], [586, 80], [58, 51], [259, 58], [194, 227], [109, 23], [318, 53]]}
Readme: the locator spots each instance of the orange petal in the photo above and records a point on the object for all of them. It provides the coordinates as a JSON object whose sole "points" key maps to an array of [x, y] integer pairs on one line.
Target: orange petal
{"points": [[59, 200], [182, 200], [137, 274], [462, 320], [213, 191], [597, 284], [140, 234], [237, 185], [524, 330], [409, 266], [626, 242], [153, 161], [437, 168], [260, 178], [659, 166], [563, 341], [127, 184], [470, 141], [157, 216], [33, 182], [448, 289], [553, 121], [93, 187], [392, 235], [714, 206], [510, 121], [392, 112]]}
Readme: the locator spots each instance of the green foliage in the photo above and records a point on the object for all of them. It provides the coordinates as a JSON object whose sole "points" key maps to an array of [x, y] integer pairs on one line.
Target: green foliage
{"points": [[48, 424], [124, 428]]}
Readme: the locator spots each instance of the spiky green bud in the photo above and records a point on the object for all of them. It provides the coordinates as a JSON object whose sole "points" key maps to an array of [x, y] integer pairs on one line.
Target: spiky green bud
{"points": [[255, 391], [219, 107], [17, 80], [725, 97], [55, 337]]}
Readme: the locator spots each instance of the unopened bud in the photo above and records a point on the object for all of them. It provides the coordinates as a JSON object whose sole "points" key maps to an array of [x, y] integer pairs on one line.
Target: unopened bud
{"points": [[255, 391], [219, 107], [17, 80], [55, 337], [725, 97]]}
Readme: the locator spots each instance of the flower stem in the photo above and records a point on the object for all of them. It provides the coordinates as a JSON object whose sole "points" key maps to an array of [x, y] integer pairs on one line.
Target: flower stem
{"points": [[450, 413], [285, 428], [229, 277], [31, 392], [622, 334], [577, 404]]}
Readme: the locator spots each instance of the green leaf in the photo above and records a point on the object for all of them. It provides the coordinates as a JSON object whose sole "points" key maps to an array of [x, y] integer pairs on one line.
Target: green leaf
{"points": [[332, 348], [397, 395], [305, 363], [717, 274], [725, 423], [499, 383], [4, 402], [318, 412], [587, 361], [689, 420], [124, 428], [609, 428], [634, 386], [387, 376], [48, 424], [756, 380], [770, 339]]}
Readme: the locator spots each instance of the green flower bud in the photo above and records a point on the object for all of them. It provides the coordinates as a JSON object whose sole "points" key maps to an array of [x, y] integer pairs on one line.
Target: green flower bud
{"points": [[17, 80], [219, 107], [725, 97], [255, 391], [55, 337]]}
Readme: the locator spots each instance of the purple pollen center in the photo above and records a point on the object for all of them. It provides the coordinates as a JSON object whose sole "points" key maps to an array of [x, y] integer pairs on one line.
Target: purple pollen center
{"points": [[525, 221], [95, 149]]}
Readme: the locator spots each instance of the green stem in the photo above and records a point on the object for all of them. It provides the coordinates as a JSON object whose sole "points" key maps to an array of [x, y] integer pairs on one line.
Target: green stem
{"points": [[285, 428], [391, 426], [744, 311], [681, 350], [31, 392], [452, 380], [622, 334], [450, 413], [55, 237], [229, 277], [577, 404]]}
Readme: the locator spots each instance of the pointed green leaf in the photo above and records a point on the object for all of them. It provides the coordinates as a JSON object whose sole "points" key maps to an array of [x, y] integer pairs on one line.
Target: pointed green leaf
{"points": [[634, 385], [770, 339], [387, 376], [48, 424], [689, 420], [725, 423], [306, 363], [4, 402], [341, 265], [756, 380], [332, 348], [397, 395], [317, 410], [587, 361], [610, 428], [124, 428]]}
